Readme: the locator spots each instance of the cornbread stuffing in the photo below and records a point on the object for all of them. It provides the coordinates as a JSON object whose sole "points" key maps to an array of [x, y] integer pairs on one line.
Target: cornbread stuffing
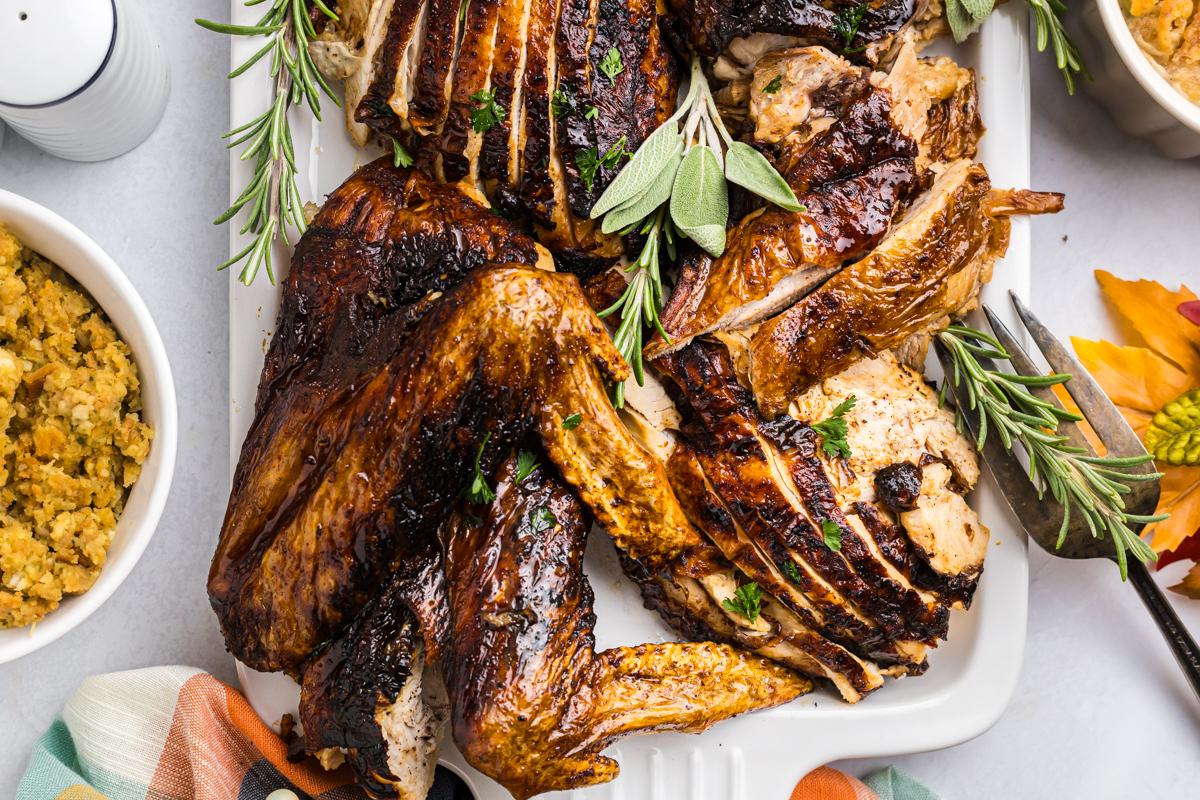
{"points": [[1168, 32], [70, 437]]}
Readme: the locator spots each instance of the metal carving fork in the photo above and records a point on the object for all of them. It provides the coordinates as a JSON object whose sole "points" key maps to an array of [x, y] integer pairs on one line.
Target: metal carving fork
{"points": [[1042, 518]]}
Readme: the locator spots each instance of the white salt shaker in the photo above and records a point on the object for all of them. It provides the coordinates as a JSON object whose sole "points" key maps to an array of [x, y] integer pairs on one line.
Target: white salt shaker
{"points": [[84, 80]]}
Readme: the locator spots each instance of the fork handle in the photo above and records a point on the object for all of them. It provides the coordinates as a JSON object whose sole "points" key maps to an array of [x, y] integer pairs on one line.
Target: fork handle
{"points": [[1177, 636]]}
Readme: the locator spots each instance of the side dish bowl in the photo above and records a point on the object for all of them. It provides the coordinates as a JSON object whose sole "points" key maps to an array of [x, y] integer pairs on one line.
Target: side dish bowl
{"points": [[61, 242], [1140, 100]]}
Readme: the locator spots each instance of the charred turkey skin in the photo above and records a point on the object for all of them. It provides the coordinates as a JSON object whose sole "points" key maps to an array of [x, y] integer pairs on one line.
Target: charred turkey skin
{"points": [[710, 25], [364, 434], [532, 703]]}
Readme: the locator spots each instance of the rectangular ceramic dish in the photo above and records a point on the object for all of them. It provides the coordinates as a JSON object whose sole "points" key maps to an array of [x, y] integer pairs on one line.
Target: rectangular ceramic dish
{"points": [[761, 756]]}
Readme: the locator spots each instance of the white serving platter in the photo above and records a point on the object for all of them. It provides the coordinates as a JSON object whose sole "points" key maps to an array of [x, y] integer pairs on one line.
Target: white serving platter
{"points": [[762, 755]]}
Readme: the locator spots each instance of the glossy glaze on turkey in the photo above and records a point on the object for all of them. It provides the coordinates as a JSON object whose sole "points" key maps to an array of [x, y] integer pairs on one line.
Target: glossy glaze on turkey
{"points": [[532, 703], [364, 435]]}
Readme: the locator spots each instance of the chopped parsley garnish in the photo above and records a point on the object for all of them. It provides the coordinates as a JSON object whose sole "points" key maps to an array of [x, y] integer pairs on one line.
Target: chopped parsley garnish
{"points": [[745, 602], [562, 102], [400, 156], [833, 535], [590, 162], [846, 23], [791, 571], [612, 65], [544, 163], [591, 112], [488, 114], [479, 492], [775, 85], [526, 464], [462, 11], [834, 429], [542, 520], [472, 520], [381, 107], [572, 422]]}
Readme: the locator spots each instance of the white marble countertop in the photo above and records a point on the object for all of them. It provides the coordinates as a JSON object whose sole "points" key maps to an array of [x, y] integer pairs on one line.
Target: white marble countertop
{"points": [[1101, 710]]}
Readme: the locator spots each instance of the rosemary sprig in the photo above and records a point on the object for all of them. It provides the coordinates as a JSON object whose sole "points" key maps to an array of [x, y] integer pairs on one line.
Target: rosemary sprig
{"points": [[1089, 484], [1049, 24], [641, 303], [965, 17], [272, 195]]}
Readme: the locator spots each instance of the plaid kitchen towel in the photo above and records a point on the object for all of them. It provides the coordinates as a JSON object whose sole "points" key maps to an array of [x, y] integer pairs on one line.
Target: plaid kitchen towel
{"points": [[176, 733]]}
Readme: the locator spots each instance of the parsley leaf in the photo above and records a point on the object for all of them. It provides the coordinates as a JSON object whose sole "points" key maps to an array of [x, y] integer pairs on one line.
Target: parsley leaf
{"points": [[542, 520], [846, 22], [472, 520], [544, 163], [590, 162], [834, 429], [488, 114], [562, 102], [775, 85], [462, 11], [572, 422], [400, 156], [526, 464], [380, 107], [479, 492], [591, 112], [745, 602], [833, 535], [612, 65], [792, 572]]}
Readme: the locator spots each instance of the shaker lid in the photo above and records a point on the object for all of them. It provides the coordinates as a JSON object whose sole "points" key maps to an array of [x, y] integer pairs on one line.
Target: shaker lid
{"points": [[52, 48]]}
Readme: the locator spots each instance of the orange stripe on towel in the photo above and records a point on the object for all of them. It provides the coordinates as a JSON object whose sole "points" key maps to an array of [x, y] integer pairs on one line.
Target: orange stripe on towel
{"points": [[824, 783], [308, 776], [215, 739]]}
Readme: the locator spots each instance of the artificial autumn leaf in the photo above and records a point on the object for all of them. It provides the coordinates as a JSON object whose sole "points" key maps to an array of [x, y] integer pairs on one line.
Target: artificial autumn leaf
{"points": [[1190, 585], [1140, 381], [1133, 377], [1148, 305]]}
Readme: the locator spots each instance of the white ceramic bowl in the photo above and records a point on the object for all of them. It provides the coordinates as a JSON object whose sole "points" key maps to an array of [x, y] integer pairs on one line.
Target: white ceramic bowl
{"points": [[64, 244], [1140, 100]]}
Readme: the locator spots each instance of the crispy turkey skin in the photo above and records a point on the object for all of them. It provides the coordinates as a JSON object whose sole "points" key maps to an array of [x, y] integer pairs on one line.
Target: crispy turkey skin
{"points": [[365, 433], [532, 703]]}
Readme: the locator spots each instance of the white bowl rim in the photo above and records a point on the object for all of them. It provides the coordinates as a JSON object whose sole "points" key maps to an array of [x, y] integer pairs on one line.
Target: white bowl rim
{"points": [[1143, 69], [70, 614]]}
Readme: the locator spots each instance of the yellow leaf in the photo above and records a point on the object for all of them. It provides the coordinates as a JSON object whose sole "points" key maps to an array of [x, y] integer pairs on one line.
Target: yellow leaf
{"points": [[1152, 311], [1190, 585], [1133, 377], [1180, 497]]}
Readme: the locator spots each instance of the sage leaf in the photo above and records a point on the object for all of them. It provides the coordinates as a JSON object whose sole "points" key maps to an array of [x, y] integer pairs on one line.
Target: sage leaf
{"points": [[700, 199], [962, 24], [747, 167], [711, 238], [639, 174], [979, 9], [638, 208]]}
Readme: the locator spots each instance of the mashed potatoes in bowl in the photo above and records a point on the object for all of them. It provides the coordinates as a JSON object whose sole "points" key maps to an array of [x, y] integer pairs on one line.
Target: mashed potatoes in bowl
{"points": [[71, 436]]}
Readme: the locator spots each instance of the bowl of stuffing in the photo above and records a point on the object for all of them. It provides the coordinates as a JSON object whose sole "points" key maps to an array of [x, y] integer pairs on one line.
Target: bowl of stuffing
{"points": [[1144, 56], [88, 426]]}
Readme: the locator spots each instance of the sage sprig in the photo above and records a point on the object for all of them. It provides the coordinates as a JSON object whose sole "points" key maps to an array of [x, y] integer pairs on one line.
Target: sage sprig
{"points": [[1091, 485], [272, 196], [676, 185], [690, 166]]}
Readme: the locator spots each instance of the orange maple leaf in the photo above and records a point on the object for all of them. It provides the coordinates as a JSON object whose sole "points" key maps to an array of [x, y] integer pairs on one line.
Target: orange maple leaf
{"points": [[1141, 380]]}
